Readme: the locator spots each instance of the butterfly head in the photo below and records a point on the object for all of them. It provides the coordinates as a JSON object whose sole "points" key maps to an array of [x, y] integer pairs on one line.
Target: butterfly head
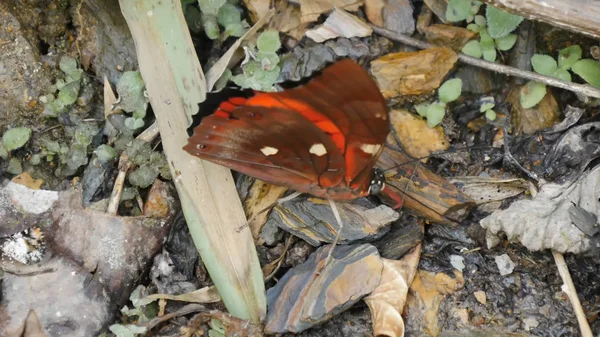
{"points": [[377, 182]]}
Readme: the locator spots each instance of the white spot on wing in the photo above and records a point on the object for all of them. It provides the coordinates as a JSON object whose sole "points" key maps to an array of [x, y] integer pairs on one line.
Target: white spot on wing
{"points": [[269, 151], [318, 149], [370, 148]]}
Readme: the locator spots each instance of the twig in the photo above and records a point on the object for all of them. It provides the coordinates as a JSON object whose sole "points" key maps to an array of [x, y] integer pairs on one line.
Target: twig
{"points": [[585, 90], [563, 270], [124, 165]]}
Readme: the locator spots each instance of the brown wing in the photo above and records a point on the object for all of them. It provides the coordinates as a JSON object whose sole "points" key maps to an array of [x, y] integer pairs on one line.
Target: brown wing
{"points": [[325, 135]]}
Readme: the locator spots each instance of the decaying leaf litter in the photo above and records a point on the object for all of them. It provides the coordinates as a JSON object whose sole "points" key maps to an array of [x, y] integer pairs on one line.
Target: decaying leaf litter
{"points": [[490, 214]]}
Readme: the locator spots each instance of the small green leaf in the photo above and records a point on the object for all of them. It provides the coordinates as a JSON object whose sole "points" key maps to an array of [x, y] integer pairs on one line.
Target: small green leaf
{"points": [[501, 23], [69, 93], [507, 42], [473, 27], [589, 70], [67, 64], [490, 114], [480, 20], [3, 152], [143, 176], [268, 41], [486, 106], [568, 56], [211, 28], [489, 54], [14, 166], [450, 90], [543, 64], [129, 330], [532, 93], [222, 81], [422, 109], [472, 48], [486, 40], [562, 74], [105, 153], [210, 7], [474, 9], [458, 10], [435, 114], [133, 123], [228, 14], [16, 138]]}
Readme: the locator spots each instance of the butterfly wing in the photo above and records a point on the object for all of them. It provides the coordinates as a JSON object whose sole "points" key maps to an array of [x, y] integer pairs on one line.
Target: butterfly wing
{"points": [[272, 144], [314, 138]]}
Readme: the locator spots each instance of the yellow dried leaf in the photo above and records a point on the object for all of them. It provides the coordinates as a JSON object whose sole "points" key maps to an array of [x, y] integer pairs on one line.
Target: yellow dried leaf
{"points": [[26, 180]]}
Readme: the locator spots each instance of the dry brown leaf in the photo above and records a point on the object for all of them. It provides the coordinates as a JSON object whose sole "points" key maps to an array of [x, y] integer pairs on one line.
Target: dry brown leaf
{"points": [[340, 24], [312, 9], [287, 20], [412, 73], [387, 301], [261, 196], [257, 8], [203, 295], [26, 180], [109, 99], [427, 292], [416, 137]]}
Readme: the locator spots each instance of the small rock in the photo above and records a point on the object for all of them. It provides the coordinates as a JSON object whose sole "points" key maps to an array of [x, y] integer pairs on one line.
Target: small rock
{"points": [[505, 264], [458, 262], [480, 296]]}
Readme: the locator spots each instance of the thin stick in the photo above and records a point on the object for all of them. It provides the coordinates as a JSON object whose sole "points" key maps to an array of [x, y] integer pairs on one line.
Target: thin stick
{"points": [[585, 90], [563, 270], [124, 165]]}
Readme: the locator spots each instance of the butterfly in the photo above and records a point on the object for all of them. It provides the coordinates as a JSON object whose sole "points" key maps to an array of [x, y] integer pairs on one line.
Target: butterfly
{"points": [[322, 138]]}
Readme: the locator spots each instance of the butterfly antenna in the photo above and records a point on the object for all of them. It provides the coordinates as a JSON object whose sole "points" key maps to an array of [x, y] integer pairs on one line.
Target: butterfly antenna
{"points": [[438, 154], [338, 218]]}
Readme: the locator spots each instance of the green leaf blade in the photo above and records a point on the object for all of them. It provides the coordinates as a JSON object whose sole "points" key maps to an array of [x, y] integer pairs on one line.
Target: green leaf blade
{"points": [[501, 23], [568, 56], [458, 10], [589, 70], [450, 90], [543, 64], [531, 94], [16, 138]]}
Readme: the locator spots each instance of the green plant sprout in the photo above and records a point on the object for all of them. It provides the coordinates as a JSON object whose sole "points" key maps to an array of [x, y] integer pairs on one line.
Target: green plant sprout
{"points": [[221, 13], [494, 33], [434, 112], [13, 139], [568, 59], [487, 108], [68, 88], [260, 69], [459, 10], [132, 98]]}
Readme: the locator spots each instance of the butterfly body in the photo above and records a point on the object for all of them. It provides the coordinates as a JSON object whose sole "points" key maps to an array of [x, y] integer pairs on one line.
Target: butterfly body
{"points": [[321, 138]]}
